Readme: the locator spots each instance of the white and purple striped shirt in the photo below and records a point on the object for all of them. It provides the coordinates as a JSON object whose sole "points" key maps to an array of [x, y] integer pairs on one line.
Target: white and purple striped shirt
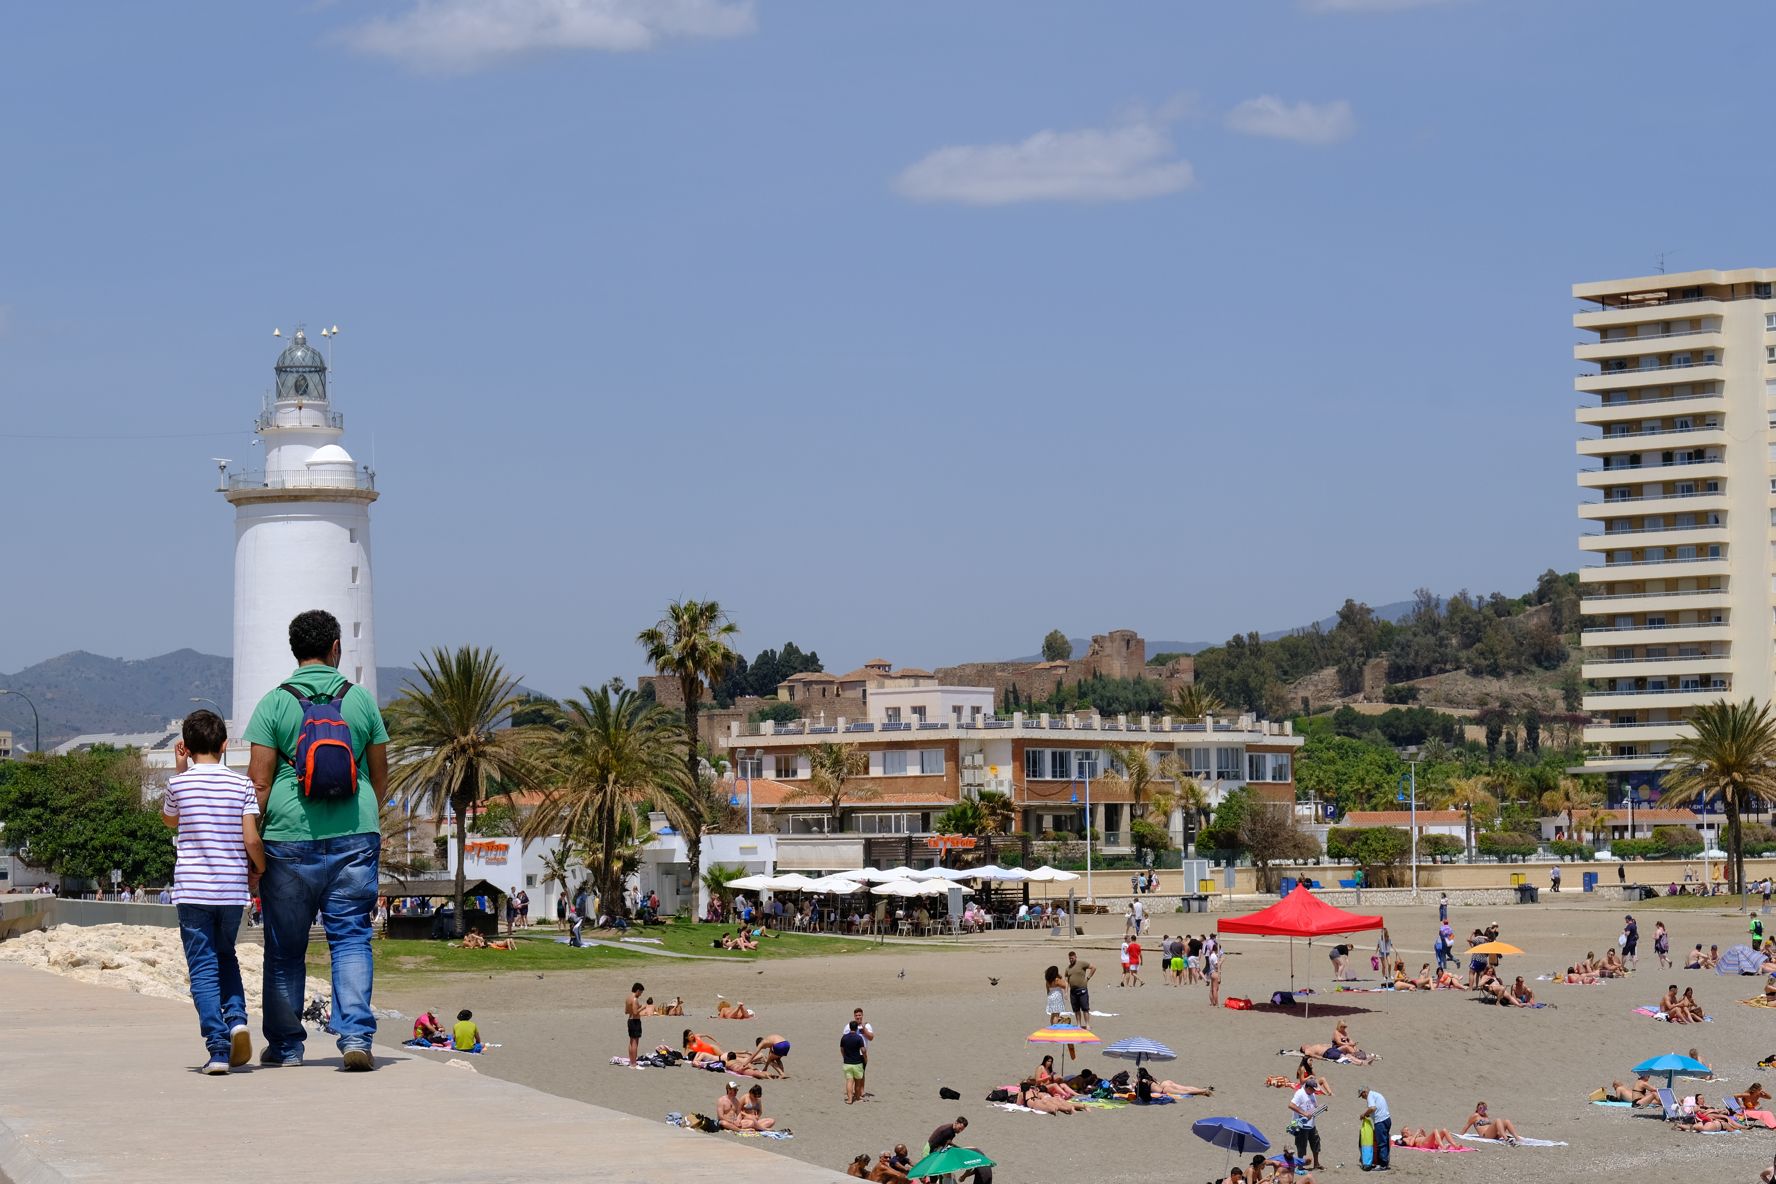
{"points": [[209, 801]]}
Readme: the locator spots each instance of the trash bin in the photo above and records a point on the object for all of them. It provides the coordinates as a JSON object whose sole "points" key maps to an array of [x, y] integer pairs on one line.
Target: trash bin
{"points": [[1288, 885], [1205, 885], [1518, 879], [1590, 879], [1528, 894]]}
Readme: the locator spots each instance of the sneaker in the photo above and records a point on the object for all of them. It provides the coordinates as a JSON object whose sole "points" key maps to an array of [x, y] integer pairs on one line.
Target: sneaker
{"points": [[217, 1067], [359, 1060], [240, 1046], [270, 1060]]}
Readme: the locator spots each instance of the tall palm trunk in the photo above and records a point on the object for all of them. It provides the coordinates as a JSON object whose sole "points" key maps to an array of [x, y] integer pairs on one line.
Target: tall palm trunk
{"points": [[690, 688], [460, 803], [1737, 839]]}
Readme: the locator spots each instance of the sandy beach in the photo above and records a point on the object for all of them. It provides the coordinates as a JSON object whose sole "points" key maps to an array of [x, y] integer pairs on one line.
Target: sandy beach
{"points": [[940, 1022]]}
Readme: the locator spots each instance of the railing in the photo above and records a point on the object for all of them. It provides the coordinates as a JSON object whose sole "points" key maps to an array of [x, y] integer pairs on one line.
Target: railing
{"points": [[268, 418], [1678, 658], [1656, 562], [1640, 628], [1639, 305], [1607, 436], [1649, 497], [358, 479], [1622, 371], [1644, 595], [1672, 464], [1656, 691], [1641, 723], [1632, 404], [1610, 534], [1639, 337]]}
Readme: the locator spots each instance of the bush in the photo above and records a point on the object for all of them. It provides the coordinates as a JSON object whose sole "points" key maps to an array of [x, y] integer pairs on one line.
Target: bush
{"points": [[1679, 842], [1224, 842], [1148, 836], [1506, 845], [1399, 693], [1637, 849], [777, 713], [1435, 847], [1378, 850], [1570, 849], [1759, 839]]}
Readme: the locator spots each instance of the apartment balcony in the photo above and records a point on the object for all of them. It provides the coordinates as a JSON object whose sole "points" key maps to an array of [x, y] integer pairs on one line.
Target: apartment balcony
{"points": [[1672, 601], [1624, 380], [1697, 471], [1699, 405], [1696, 633], [1644, 311], [1674, 700], [1641, 505], [1700, 535], [1648, 732], [1644, 762], [1673, 667], [1654, 569], [1659, 343], [1700, 436]]}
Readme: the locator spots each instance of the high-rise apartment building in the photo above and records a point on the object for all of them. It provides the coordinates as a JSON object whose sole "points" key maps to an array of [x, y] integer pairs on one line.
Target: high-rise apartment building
{"points": [[1679, 508]]}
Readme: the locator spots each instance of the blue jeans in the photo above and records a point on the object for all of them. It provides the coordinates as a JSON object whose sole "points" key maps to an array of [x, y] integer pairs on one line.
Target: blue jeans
{"points": [[1384, 1133], [207, 932], [336, 878]]}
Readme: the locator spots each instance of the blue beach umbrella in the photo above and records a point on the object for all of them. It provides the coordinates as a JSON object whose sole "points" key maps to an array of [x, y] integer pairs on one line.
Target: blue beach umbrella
{"points": [[1671, 1064], [1740, 960], [1138, 1049], [1232, 1134]]}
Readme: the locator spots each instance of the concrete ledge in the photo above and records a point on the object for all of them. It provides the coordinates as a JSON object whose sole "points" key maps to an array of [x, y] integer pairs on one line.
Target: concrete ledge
{"points": [[71, 1047]]}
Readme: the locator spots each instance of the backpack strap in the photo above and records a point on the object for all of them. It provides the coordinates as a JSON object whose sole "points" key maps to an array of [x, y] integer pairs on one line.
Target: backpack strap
{"points": [[302, 702]]}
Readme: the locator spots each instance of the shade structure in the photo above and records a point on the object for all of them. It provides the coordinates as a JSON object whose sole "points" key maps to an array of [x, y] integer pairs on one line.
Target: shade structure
{"points": [[1299, 914], [1740, 960], [953, 874], [942, 888], [1234, 1135], [1671, 1064], [1052, 875], [948, 1160], [898, 888], [789, 882], [1494, 947], [868, 875], [992, 873], [837, 885], [1063, 1034], [1138, 1049], [898, 873], [753, 883]]}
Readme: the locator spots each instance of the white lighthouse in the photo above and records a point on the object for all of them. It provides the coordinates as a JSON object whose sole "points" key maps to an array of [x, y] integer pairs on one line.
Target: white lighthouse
{"points": [[301, 534]]}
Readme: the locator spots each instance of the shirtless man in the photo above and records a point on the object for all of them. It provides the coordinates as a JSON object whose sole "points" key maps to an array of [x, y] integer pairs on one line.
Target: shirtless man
{"points": [[727, 1111], [892, 1167], [767, 1055], [632, 1012]]}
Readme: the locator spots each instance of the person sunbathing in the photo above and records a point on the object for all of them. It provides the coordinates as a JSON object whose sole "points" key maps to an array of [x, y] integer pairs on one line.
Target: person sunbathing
{"points": [[1710, 959], [1706, 1119], [739, 1065], [1612, 966], [1046, 1079], [701, 1048], [1639, 1092], [1304, 1072], [676, 1007], [1427, 1139], [1575, 977], [752, 1111], [1031, 1095], [1694, 961], [1696, 1055], [1670, 1001], [1487, 1127], [1691, 1009], [1520, 991], [1495, 990], [1446, 981], [859, 1167], [743, 942], [736, 1010], [1427, 978], [1753, 1098], [1175, 1090]]}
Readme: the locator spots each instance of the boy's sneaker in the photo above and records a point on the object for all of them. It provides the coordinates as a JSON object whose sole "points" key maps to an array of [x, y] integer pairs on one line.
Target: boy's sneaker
{"points": [[240, 1046], [359, 1060], [217, 1067], [270, 1060]]}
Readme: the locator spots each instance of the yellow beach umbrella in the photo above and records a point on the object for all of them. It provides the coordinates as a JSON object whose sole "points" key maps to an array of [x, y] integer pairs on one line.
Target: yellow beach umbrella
{"points": [[1494, 947], [1064, 1034]]}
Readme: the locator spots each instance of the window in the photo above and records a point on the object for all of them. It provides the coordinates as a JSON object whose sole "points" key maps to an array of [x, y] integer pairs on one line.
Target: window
{"points": [[354, 575], [919, 714], [1060, 764], [1035, 765], [785, 767], [1202, 765], [931, 762], [809, 824], [893, 714], [894, 762], [1087, 766], [1280, 767], [357, 629], [1227, 763], [887, 824], [1256, 769]]}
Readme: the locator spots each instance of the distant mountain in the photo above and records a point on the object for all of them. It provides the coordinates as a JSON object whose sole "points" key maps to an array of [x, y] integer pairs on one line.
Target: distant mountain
{"points": [[79, 692], [1395, 611]]}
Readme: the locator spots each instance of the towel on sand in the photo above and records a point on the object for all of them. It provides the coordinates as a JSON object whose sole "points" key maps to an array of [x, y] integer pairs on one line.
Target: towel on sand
{"points": [[1444, 1150], [1520, 1142], [1656, 1014], [1618, 1105]]}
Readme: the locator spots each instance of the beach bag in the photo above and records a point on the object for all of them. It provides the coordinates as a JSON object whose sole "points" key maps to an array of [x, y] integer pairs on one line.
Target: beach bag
{"points": [[1282, 999], [702, 1122], [326, 767], [1374, 961], [1236, 1004], [1000, 1095]]}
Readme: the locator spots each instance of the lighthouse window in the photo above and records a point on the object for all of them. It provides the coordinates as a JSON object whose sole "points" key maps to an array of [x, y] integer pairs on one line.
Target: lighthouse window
{"points": [[354, 575], [357, 629], [351, 535], [359, 676]]}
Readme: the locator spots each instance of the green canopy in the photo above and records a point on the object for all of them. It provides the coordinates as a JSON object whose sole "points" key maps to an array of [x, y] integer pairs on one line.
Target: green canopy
{"points": [[949, 1159]]}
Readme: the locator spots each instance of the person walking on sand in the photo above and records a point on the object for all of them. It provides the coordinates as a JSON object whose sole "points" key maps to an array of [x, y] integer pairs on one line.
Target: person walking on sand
{"points": [[632, 1010], [1079, 975], [1630, 940], [1134, 963], [1662, 945], [1304, 1106], [1379, 1114], [853, 1055], [1212, 970], [323, 839]]}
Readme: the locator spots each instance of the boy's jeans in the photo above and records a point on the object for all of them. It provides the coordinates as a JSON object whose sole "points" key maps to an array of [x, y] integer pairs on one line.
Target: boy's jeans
{"points": [[336, 878], [208, 932]]}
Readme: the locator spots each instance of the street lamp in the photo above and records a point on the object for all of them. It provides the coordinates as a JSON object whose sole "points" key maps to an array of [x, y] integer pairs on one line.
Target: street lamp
{"points": [[1086, 770], [1411, 774], [746, 767], [36, 724]]}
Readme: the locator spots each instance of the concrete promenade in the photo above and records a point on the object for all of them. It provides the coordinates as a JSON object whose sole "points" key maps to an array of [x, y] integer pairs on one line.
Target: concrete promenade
{"points": [[101, 1085]]}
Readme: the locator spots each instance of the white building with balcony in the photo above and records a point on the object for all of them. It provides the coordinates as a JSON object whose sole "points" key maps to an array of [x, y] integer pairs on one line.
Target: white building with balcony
{"points": [[1678, 505]]}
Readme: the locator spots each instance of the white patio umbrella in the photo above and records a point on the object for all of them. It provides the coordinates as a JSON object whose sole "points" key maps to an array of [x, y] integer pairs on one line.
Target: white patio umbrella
{"points": [[955, 875], [1055, 875], [897, 873], [898, 888], [835, 885], [1003, 875], [941, 888], [758, 882], [789, 882]]}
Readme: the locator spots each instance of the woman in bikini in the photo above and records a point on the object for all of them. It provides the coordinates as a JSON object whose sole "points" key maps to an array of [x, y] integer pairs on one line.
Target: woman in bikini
{"points": [[739, 1065], [1031, 1096], [1446, 980], [1047, 1080], [701, 1047], [1305, 1070], [1639, 1092], [1692, 1010], [752, 1111], [1487, 1127], [1427, 1139], [733, 1011], [1175, 1090], [1576, 977]]}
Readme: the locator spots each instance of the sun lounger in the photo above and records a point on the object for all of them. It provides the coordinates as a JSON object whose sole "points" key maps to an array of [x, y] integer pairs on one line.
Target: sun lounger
{"points": [[1668, 1100]]}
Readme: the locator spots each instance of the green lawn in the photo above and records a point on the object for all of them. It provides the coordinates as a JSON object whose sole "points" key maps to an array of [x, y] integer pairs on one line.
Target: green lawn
{"points": [[539, 951], [1718, 904]]}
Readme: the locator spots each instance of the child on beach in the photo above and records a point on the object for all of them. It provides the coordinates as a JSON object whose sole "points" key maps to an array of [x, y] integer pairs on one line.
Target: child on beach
{"points": [[216, 813]]}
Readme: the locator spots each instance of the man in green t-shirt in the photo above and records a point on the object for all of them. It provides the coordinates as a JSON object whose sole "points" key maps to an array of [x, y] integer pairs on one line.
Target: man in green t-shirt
{"points": [[320, 856]]}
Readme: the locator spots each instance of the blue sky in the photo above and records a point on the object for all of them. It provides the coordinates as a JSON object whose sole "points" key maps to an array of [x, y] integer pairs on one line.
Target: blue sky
{"points": [[910, 330]]}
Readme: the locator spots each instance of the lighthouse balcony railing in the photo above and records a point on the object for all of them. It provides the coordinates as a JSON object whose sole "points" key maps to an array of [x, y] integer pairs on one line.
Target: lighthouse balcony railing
{"points": [[289, 415], [260, 479]]}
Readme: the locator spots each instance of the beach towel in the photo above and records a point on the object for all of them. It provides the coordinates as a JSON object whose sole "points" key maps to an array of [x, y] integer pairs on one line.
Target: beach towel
{"points": [[1442, 1150], [1104, 1015], [467, 1052], [1656, 1014], [763, 1134], [1520, 1142], [1760, 1001], [1618, 1105]]}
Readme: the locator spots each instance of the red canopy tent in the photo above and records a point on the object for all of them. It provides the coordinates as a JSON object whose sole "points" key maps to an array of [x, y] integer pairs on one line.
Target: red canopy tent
{"points": [[1299, 914]]}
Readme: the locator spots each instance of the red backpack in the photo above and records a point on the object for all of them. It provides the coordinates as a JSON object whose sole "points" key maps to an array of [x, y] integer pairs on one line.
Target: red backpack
{"points": [[325, 763]]}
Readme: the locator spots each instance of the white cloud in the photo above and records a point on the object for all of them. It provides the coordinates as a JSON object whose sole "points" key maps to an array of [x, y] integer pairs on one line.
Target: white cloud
{"points": [[469, 34], [1305, 123], [1132, 160], [1370, 5]]}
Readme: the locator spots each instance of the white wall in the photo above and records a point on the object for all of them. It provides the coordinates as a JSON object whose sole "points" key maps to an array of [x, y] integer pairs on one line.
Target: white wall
{"points": [[937, 702]]}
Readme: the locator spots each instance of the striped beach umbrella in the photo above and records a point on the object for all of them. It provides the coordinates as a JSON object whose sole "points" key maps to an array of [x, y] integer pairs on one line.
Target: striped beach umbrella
{"points": [[1064, 1034], [1138, 1049]]}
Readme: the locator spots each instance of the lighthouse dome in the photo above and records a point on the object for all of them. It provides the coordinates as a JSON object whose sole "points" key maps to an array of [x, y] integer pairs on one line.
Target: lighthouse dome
{"points": [[330, 454], [301, 372]]}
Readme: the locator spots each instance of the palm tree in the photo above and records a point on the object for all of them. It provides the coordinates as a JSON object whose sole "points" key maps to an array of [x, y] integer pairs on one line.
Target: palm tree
{"points": [[560, 865], [1192, 703], [717, 879], [618, 758], [965, 817], [830, 767], [690, 643], [1733, 754], [1597, 823], [1571, 796], [1468, 794], [1136, 775], [450, 738], [1188, 795], [1000, 812]]}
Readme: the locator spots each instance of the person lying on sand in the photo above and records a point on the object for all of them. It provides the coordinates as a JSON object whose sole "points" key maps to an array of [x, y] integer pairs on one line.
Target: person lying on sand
{"points": [[1032, 1096], [701, 1047], [1575, 977], [1427, 1139], [1173, 1089], [733, 1011], [1487, 1127], [1707, 1122], [1639, 1092], [739, 1065], [1446, 981]]}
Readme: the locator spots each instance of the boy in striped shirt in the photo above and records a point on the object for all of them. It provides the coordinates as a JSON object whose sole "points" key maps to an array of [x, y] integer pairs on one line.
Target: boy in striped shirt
{"points": [[216, 814]]}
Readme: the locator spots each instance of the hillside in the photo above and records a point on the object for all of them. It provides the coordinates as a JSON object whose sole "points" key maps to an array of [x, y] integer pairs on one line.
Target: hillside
{"points": [[80, 692], [1393, 611]]}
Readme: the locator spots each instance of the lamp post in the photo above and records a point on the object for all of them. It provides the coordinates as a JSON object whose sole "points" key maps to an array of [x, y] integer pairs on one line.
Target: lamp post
{"points": [[746, 767], [1411, 777], [36, 723]]}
